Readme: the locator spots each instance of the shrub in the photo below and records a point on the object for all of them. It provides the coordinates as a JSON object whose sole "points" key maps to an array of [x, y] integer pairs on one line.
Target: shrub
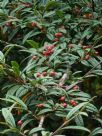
{"points": [[48, 50]]}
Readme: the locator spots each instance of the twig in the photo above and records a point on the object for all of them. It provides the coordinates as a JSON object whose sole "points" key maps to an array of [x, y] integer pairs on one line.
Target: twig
{"points": [[40, 124], [41, 121], [62, 80]]}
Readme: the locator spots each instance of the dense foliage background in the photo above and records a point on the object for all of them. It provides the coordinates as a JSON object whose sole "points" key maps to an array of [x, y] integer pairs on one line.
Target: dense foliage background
{"points": [[50, 67]]}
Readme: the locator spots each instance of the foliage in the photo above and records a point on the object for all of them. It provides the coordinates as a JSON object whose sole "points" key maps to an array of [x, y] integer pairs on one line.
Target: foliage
{"points": [[49, 49]]}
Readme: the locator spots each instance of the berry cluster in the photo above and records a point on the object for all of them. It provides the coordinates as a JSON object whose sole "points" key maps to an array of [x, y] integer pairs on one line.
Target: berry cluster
{"points": [[64, 104], [57, 36], [51, 73], [73, 102], [48, 50]]}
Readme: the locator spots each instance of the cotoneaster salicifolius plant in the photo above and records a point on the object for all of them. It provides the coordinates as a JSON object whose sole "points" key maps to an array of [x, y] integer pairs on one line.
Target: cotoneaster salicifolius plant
{"points": [[52, 50]]}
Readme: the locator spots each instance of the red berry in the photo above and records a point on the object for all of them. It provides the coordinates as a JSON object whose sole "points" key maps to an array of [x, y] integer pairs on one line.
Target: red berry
{"points": [[87, 57], [52, 74], [19, 123], [76, 87], [47, 53], [33, 24], [56, 40], [58, 35], [64, 105], [50, 47], [34, 57], [62, 98], [96, 53], [38, 74], [40, 105], [73, 103], [44, 73]]}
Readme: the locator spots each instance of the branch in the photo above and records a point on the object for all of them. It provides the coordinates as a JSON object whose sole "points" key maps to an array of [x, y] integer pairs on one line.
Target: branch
{"points": [[40, 124], [41, 121], [62, 80]]}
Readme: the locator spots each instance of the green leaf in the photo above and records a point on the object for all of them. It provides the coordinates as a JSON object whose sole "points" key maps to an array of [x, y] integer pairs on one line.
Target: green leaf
{"points": [[44, 111], [4, 3], [6, 131], [33, 44], [12, 89], [50, 36], [79, 120], [29, 35], [45, 133], [15, 67], [81, 94], [86, 63], [81, 53], [96, 131], [21, 91], [25, 123], [97, 72], [76, 109], [20, 102], [86, 33], [2, 58], [77, 128], [92, 108], [49, 14], [14, 32], [8, 117], [100, 109], [36, 129], [60, 14], [95, 63], [52, 4], [53, 56]]}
